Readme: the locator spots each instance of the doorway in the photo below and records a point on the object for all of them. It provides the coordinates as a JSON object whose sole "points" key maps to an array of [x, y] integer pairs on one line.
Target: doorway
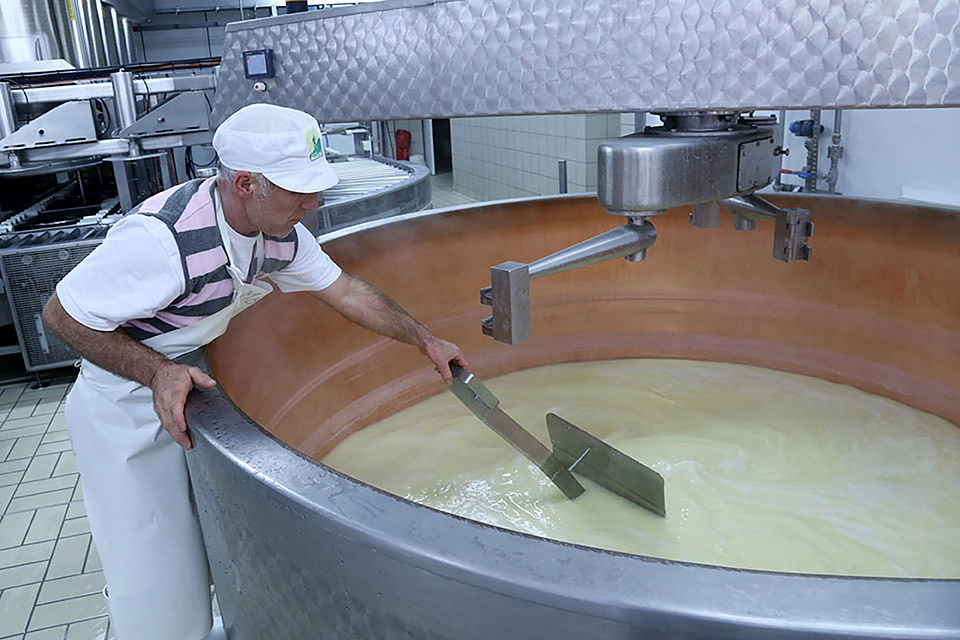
{"points": [[442, 149]]}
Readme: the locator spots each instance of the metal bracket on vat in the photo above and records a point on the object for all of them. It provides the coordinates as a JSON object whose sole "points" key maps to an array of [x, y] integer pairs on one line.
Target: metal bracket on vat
{"points": [[188, 112], [69, 123], [793, 227], [509, 293]]}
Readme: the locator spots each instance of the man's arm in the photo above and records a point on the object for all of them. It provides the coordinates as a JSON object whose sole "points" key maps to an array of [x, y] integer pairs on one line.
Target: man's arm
{"points": [[118, 353], [372, 309]]}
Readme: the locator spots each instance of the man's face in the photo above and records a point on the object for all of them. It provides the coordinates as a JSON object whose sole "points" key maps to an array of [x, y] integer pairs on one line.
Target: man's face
{"points": [[275, 211]]}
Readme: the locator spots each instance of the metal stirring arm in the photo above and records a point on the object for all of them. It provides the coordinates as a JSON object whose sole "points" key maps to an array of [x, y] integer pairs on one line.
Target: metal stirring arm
{"points": [[793, 227], [483, 404], [509, 293]]}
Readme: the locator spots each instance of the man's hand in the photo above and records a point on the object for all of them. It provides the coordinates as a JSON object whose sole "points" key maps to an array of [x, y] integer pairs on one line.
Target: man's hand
{"points": [[171, 384], [442, 353]]}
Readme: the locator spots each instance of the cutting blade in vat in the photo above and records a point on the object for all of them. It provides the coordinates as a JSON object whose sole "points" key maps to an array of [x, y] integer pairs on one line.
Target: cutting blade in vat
{"points": [[483, 404], [574, 450], [593, 458]]}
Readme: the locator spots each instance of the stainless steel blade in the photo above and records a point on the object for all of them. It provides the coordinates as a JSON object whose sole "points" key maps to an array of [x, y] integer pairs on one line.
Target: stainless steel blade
{"points": [[483, 404], [592, 458]]}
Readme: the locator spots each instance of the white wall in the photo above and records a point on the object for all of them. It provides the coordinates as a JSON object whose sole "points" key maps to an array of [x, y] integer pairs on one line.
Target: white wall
{"points": [[890, 153], [517, 156]]}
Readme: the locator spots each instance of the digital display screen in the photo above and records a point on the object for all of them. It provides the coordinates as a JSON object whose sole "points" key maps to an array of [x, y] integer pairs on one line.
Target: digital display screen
{"points": [[258, 64]]}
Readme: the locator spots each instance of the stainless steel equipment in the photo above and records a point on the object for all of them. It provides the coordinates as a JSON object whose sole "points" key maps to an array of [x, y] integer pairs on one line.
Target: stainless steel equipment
{"points": [[612, 469], [48, 125], [698, 158], [694, 158], [488, 57], [28, 32], [370, 189], [393, 569], [509, 292], [486, 406], [32, 264], [299, 550]]}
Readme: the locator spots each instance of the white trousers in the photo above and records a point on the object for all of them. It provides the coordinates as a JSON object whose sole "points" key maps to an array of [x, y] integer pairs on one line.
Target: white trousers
{"points": [[144, 523]]}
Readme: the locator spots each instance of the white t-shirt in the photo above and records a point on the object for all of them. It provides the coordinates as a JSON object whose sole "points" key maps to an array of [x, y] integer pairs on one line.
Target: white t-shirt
{"points": [[137, 271]]}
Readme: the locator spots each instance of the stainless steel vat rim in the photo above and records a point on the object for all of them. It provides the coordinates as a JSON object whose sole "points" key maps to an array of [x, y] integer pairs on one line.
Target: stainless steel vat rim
{"points": [[563, 575], [340, 233], [464, 208]]}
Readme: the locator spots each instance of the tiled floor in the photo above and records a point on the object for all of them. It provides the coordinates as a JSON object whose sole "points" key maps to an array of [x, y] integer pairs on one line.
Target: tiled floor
{"points": [[444, 195], [50, 574]]}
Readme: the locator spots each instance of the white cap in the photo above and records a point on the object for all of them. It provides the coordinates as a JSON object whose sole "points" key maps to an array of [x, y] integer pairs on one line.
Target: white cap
{"points": [[283, 144]]}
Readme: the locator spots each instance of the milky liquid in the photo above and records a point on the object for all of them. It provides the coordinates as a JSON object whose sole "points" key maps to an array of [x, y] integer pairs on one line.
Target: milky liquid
{"points": [[762, 469]]}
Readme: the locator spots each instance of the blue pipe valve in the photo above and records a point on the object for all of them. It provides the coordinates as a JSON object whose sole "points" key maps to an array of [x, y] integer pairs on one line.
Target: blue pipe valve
{"points": [[805, 128]]}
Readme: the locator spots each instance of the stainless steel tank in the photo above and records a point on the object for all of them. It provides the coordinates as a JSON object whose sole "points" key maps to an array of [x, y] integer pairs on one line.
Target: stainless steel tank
{"points": [[299, 550], [29, 31]]}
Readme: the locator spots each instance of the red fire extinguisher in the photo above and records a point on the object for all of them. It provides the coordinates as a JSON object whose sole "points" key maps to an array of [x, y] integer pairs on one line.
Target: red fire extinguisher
{"points": [[403, 144]]}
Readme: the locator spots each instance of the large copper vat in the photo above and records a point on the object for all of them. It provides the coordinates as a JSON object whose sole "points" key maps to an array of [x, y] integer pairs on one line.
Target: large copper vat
{"points": [[301, 551]]}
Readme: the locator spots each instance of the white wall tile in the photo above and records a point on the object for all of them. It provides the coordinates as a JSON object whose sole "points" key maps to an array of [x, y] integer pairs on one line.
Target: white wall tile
{"points": [[576, 172], [596, 126]]}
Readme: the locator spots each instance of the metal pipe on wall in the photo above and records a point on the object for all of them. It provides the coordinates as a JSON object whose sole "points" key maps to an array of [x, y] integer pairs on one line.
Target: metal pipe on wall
{"points": [[8, 112], [81, 37], [128, 40], [104, 40], [94, 36], [109, 34], [117, 35], [426, 126]]}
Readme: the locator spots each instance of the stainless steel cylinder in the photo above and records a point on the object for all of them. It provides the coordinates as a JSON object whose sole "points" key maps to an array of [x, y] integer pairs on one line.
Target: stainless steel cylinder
{"points": [[81, 33], [124, 98], [116, 31], [94, 33], [63, 17], [8, 112], [111, 23], [741, 223], [129, 46], [102, 36]]}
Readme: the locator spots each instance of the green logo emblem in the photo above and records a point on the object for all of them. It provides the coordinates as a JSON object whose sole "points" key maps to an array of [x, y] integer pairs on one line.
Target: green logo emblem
{"points": [[315, 145]]}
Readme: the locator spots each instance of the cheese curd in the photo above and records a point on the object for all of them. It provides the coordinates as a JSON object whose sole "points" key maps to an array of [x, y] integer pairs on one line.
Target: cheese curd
{"points": [[763, 469]]}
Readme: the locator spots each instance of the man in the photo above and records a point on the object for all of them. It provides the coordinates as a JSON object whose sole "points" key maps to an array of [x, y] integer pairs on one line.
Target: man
{"points": [[165, 281]]}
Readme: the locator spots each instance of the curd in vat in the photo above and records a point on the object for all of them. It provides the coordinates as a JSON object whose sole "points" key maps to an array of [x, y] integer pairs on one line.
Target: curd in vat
{"points": [[763, 469]]}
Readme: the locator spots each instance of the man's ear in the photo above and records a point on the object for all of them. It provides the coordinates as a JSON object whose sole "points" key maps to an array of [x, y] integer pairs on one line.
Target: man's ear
{"points": [[244, 185]]}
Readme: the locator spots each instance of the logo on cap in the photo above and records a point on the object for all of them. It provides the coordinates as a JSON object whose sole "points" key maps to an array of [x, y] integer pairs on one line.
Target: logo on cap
{"points": [[314, 144]]}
